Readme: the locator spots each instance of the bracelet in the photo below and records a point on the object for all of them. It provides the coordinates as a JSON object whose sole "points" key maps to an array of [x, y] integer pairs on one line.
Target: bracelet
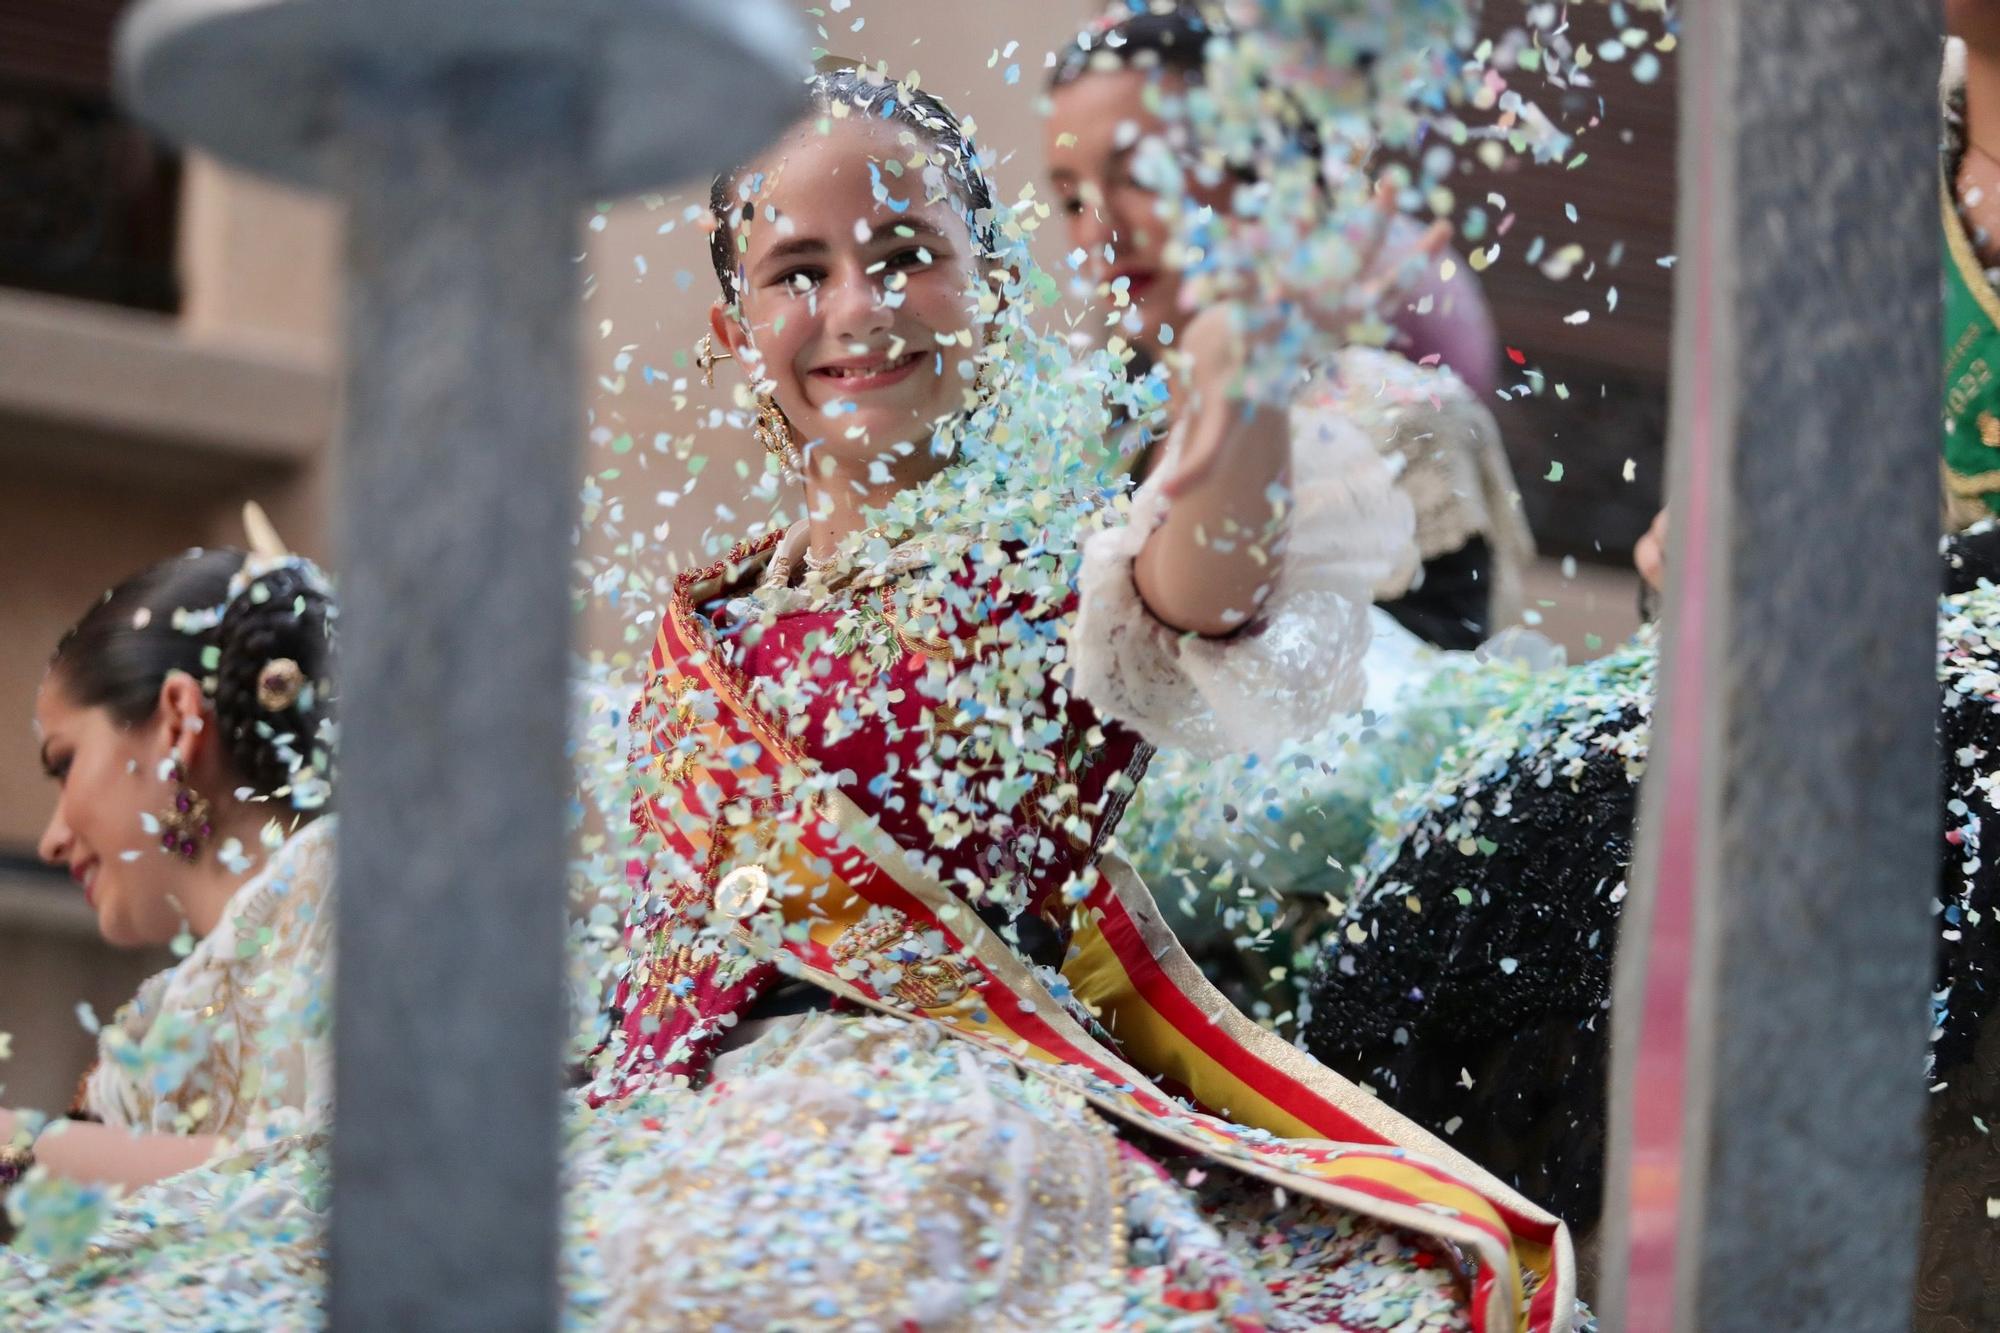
{"points": [[14, 1163]]}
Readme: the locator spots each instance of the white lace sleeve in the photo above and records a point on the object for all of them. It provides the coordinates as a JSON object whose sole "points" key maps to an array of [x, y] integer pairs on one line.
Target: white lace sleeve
{"points": [[1300, 661]]}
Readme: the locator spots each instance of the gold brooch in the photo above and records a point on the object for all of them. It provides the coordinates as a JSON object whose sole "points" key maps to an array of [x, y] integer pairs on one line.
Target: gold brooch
{"points": [[278, 684]]}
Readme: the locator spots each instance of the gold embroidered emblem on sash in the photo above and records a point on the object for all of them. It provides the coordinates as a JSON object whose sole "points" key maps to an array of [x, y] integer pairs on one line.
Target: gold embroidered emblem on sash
{"points": [[678, 748], [889, 940], [742, 892]]}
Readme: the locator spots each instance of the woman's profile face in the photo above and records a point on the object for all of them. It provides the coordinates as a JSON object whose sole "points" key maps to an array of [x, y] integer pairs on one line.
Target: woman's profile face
{"points": [[108, 784], [1096, 125], [856, 290]]}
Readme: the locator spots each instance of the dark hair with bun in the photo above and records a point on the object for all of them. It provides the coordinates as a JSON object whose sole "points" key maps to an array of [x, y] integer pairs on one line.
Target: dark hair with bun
{"points": [[911, 108], [205, 614], [1174, 38], [1140, 37]]}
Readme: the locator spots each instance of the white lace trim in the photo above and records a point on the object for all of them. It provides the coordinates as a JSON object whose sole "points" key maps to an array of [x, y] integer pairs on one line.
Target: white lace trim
{"points": [[1452, 465]]}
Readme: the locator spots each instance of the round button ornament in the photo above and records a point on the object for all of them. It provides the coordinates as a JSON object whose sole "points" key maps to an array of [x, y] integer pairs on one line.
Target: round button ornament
{"points": [[742, 892]]}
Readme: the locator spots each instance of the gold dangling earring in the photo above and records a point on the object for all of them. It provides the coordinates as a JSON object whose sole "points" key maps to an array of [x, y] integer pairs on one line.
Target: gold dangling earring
{"points": [[188, 821], [774, 432], [986, 384]]}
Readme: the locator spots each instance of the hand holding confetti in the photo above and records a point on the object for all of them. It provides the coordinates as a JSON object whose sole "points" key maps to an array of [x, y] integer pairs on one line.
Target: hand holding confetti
{"points": [[1263, 344]]}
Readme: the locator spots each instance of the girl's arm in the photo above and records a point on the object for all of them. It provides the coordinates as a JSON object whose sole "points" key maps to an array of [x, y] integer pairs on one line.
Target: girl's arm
{"points": [[1210, 563], [107, 1155]]}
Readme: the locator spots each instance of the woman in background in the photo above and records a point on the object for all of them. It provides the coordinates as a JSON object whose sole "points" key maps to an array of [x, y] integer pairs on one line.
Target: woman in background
{"points": [[1243, 851], [187, 722], [1107, 96]]}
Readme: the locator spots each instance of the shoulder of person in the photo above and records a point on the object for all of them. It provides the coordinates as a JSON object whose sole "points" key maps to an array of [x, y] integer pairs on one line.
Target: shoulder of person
{"points": [[308, 848]]}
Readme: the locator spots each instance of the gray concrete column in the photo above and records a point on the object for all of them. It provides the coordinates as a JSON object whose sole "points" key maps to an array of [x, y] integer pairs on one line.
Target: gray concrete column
{"points": [[1775, 972], [460, 472]]}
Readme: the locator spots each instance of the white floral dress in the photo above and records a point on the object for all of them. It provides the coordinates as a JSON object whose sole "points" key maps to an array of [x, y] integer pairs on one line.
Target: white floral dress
{"points": [[233, 1040]]}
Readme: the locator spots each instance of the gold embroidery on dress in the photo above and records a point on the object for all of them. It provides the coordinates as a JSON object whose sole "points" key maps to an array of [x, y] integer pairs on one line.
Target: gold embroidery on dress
{"points": [[1055, 802], [738, 894], [938, 648], [281, 933], [666, 958], [677, 753], [887, 940]]}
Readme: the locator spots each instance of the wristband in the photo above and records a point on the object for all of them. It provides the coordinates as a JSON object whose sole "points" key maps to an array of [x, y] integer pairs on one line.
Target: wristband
{"points": [[14, 1163]]}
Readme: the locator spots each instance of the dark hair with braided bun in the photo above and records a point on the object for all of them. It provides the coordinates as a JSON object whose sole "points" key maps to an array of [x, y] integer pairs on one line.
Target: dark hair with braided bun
{"points": [[1173, 39], [284, 615], [165, 619], [911, 108], [1140, 38]]}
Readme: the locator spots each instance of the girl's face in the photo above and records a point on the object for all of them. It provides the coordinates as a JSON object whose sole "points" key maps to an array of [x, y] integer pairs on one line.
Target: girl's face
{"points": [[857, 310], [108, 780], [1095, 127]]}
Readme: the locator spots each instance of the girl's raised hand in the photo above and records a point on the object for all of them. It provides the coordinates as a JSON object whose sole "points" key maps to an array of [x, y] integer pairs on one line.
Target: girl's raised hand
{"points": [[1229, 345]]}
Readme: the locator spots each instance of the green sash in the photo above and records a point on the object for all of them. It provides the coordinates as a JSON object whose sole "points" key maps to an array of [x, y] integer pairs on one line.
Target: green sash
{"points": [[1971, 386]]}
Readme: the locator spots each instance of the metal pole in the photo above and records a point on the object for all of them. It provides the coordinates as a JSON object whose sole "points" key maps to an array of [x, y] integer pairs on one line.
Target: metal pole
{"points": [[460, 466], [1786, 845]]}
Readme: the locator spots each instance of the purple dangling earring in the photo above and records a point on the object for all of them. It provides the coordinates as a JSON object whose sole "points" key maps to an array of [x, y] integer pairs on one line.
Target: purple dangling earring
{"points": [[186, 823]]}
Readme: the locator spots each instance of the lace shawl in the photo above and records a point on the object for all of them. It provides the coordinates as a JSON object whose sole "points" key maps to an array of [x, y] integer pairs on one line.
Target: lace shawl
{"points": [[234, 1040], [1447, 447]]}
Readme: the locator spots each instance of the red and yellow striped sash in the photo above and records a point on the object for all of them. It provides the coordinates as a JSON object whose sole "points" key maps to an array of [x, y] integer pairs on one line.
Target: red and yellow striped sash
{"points": [[851, 896]]}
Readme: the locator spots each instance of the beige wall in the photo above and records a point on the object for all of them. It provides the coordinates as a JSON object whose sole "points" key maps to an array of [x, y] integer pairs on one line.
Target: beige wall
{"points": [[257, 262]]}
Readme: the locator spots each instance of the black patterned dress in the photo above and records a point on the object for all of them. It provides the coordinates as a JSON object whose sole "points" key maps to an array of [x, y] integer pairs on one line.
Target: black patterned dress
{"points": [[1469, 982]]}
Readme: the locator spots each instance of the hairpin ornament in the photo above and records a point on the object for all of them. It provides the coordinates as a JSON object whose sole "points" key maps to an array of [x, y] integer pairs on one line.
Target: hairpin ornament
{"points": [[278, 684], [265, 543]]}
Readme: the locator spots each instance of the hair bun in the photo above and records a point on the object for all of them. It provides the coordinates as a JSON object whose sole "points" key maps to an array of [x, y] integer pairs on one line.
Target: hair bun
{"points": [[273, 686]]}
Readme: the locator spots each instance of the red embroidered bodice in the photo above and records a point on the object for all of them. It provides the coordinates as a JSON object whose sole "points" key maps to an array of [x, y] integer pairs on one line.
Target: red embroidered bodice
{"points": [[862, 692], [905, 756]]}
